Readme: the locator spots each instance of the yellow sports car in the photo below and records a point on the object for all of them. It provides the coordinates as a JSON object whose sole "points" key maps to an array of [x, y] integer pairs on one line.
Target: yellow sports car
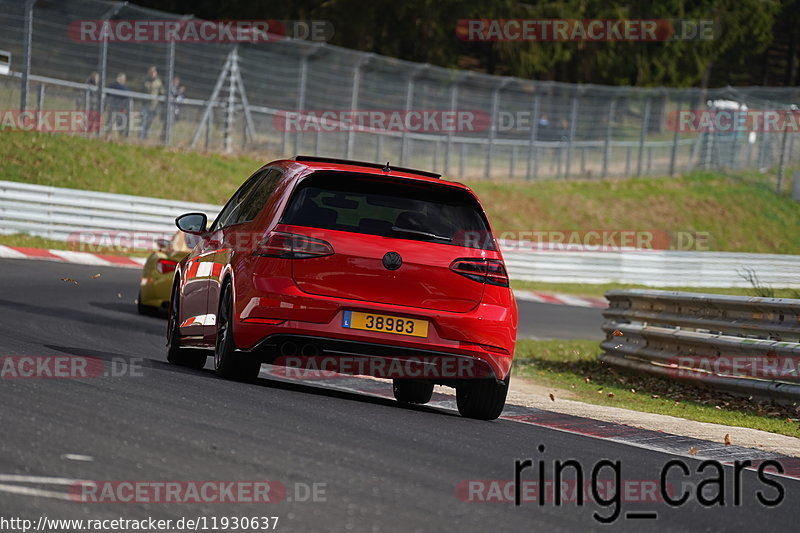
{"points": [[156, 282]]}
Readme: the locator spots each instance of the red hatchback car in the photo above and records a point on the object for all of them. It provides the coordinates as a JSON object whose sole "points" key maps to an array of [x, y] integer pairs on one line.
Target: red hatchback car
{"points": [[350, 267]]}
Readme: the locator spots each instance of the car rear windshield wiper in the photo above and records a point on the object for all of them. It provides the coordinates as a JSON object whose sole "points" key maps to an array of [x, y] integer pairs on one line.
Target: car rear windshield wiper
{"points": [[418, 233]]}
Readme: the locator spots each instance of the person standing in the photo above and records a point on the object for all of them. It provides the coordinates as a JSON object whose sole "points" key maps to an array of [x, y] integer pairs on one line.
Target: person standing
{"points": [[155, 88], [178, 93], [117, 105], [89, 103]]}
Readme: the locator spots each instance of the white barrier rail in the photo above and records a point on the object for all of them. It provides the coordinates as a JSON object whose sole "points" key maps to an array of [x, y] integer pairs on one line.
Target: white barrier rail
{"points": [[56, 213], [653, 268], [60, 214]]}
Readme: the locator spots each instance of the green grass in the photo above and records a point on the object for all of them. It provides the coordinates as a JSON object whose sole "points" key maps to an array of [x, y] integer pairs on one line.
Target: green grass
{"points": [[581, 289], [573, 366], [741, 212], [116, 167]]}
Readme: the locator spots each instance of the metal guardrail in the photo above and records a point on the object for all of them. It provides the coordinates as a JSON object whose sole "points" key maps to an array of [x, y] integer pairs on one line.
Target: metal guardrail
{"points": [[743, 345], [60, 214]]}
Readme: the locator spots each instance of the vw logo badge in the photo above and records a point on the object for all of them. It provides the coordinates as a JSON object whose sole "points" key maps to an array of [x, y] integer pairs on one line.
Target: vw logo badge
{"points": [[392, 260]]}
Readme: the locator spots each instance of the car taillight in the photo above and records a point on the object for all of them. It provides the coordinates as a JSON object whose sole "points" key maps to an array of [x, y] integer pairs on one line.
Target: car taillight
{"points": [[165, 266], [292, 246], [484, 270]]}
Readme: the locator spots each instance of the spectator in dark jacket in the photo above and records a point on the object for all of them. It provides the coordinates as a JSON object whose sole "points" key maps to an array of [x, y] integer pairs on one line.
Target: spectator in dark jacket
{"points": [[118, 104]]}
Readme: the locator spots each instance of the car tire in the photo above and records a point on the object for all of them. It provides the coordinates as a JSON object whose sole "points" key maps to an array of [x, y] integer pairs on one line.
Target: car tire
{"points": [[482, 399], [177, 355], [227, 362], [412, 391]]}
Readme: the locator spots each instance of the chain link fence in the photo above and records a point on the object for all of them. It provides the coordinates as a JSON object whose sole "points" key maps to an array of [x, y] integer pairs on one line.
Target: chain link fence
{"points": [[289, 96]]}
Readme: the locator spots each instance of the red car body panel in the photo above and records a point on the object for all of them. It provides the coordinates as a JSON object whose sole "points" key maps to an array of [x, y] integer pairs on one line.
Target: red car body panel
{"points": [[307, 297]]}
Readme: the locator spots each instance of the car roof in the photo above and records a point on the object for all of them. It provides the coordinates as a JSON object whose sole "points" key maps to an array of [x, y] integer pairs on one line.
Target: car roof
{"points": [[314, 164]]}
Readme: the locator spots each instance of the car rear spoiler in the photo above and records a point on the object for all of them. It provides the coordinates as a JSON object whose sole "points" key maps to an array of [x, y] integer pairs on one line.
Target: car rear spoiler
{"points": [[386, 167]]}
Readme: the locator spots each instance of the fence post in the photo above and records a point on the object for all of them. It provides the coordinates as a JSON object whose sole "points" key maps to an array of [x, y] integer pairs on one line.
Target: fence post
{"points": [[363, 60], [449, 144], [102, 69], [533, 160], [207, 142], [39, 105], [169, 96], [87, 107], [783, 152], [643, 135], [128, 122], [301, 89], [301, 97], [674, 152], [409, 104], [612, 105], [231, 101], [493, 126], [573, 117], [453, 106], [709, 146], [26, 55]]}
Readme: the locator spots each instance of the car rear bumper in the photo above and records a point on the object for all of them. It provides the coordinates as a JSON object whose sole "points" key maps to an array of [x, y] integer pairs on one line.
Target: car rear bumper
{"points": [[309, 355], [458, 346], [156, 289]]}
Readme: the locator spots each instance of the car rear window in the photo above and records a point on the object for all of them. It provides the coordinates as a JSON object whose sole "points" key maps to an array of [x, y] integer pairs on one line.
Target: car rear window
{"points": [[388, 207]]}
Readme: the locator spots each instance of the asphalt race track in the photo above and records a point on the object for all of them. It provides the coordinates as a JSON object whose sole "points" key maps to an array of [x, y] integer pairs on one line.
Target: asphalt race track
{"points": [[548, 321], [376, 466]]}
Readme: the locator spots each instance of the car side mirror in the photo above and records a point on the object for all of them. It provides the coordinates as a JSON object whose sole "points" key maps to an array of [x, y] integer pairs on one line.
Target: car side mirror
{"points": [[192, 223]]}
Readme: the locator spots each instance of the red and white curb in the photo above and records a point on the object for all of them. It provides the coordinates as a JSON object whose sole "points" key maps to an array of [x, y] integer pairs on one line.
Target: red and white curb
{"points": [[66, 256], [560, 299]]}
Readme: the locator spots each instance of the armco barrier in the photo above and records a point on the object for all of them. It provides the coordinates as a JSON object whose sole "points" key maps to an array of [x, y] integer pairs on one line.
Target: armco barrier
{"points": [[55, 213], [739, 344]]}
